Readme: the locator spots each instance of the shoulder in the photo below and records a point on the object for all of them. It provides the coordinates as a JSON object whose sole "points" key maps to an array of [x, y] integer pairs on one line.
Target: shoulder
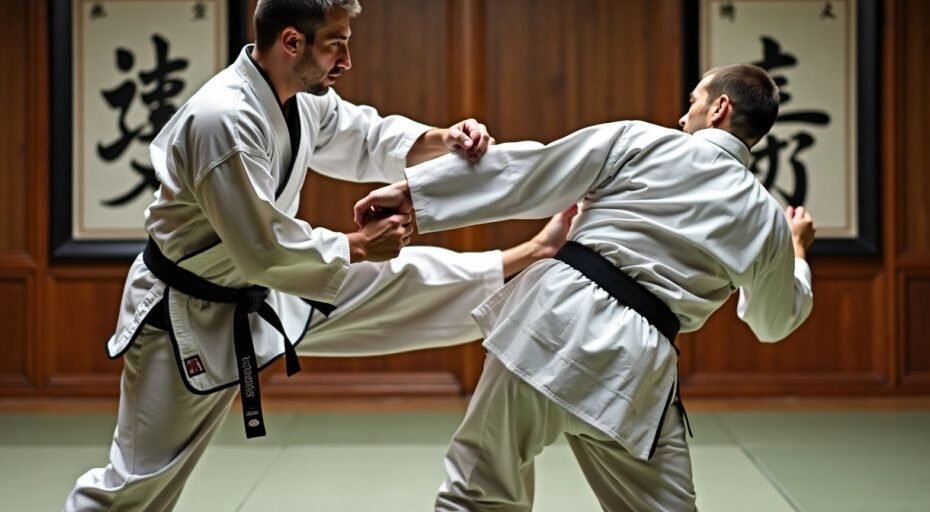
{"points": [[225, 116]]}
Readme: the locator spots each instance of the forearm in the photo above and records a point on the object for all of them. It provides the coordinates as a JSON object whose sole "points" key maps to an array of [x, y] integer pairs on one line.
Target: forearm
{"points": [[544, 245], [517, 258], [429, 146]]}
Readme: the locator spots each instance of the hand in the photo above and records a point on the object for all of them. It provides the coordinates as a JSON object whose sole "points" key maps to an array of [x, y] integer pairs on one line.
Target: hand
{"points": [[544, 245], [555, 233], [380, 239], [390, 199], [802, 229], [470, 136]]}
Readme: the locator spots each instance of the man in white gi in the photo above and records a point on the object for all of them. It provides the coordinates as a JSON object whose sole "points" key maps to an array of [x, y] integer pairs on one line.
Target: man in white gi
{"points": [[672, 223], [230, 280]]}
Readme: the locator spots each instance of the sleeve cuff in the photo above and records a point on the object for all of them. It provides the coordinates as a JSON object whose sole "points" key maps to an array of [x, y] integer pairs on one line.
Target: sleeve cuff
{"points": [[397, 160], [802, 270], [329, 291], [424, 218]]}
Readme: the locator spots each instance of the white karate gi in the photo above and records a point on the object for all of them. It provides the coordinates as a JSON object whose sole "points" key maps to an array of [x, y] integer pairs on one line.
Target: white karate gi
{"points": [[227, 172], [680, 214]]}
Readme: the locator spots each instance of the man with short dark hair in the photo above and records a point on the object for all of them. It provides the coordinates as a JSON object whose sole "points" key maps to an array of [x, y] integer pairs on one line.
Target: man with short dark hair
{"points": [[672, 223], [230, 280]]}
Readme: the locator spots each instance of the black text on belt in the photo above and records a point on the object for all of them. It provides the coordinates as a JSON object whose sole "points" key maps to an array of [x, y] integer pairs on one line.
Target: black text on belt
{"points": [[247, 300]]}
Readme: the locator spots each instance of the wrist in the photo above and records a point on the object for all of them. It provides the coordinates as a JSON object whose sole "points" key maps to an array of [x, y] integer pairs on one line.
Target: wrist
{"points": [[540, 250], [357, 250], [434, 137], [800, 251]]}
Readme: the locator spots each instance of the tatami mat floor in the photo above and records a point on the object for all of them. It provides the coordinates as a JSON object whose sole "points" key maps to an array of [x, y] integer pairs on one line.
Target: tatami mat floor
{"points": [[875, 461]]}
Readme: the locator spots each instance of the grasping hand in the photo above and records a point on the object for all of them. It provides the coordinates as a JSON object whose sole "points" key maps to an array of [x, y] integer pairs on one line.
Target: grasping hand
{"points": [[392, 198], [555, 233], [380, 239], [470, 136]]}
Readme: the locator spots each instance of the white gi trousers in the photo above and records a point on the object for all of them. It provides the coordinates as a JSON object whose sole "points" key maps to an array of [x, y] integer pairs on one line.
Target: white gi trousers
{"points": [[162, 430], [419, 300], [489, 464]]}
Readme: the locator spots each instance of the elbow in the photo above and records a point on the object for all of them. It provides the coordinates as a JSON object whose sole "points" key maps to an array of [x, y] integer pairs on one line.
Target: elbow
{"points": [[775, 332]]}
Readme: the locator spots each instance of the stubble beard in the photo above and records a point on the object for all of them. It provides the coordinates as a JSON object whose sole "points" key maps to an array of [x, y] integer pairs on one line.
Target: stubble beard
{"points": [[311, 76]]}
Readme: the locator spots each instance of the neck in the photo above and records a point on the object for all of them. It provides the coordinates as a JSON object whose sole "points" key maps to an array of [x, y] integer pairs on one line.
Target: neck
{"points": [[277, 73]]}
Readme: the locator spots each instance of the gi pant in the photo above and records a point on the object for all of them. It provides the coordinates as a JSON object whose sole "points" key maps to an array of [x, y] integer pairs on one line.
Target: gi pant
{"points": [[489, 464], [420, 300]]}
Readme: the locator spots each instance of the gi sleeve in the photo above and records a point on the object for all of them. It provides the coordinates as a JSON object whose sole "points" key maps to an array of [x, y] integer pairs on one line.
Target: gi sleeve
{"points": [[779, 298], [418, 300], [520, 180], [354, 143], [269, 247]]}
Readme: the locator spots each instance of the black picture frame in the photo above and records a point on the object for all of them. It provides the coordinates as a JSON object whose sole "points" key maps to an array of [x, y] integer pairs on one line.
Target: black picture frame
{"points": [[868, 21], [62, 244]]}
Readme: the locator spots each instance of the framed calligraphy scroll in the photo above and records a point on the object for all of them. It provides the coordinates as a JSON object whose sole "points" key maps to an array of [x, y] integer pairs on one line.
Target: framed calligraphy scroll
{"points": [[119, 71], [822, 152]]}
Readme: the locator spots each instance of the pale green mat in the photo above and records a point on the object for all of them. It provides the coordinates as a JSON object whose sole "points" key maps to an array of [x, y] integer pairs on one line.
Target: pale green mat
{"points": [[386, 462]]}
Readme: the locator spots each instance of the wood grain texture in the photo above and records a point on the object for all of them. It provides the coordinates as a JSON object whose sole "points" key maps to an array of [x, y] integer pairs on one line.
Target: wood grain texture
{"points": [[533, 69], [916, 325], [81, 305], [14, 172], [17, 321], [913, 127], [840, 342], [553, 67]]}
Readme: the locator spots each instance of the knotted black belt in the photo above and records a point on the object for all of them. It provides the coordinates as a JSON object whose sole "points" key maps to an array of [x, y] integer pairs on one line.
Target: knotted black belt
{"points": [[247, 300], [627, 291]]}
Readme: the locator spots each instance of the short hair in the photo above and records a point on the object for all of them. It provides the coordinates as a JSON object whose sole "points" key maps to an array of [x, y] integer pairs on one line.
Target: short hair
{"points": [[753, 95], [273, 16]]}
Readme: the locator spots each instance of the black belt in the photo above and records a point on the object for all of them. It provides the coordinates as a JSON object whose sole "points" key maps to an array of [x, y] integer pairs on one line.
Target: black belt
{"points": [[627, 291], [621, 287], [247, 300]]}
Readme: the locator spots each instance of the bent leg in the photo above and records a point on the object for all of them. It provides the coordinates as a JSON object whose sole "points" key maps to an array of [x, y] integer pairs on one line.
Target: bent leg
{"points": [[489, 463], [161, 432], [421, 299], [622, 482]]}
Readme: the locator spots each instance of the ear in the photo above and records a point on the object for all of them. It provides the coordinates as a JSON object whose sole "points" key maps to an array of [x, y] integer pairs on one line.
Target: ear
{"points": [[290, 41], [721, 109]]}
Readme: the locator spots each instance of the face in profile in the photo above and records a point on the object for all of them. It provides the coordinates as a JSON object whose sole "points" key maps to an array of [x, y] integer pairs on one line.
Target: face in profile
{"points": [[327, 57], [698, 116]]}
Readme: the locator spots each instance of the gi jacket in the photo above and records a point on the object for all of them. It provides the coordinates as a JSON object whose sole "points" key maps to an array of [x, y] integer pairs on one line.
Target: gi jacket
{"points": [[680, 214], [230, 185]]}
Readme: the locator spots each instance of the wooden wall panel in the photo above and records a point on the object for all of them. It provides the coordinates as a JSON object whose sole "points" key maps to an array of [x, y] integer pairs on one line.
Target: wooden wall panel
{"points": [[13, 168], [554, 66], [530, 69], [383, 74], [16, 326], [81, 305], [384, 37], [915, 158], [916, 331], [840, 342]]}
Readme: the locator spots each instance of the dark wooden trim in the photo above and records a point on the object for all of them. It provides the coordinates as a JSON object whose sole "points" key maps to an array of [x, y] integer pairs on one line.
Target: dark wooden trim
{"points": [[17, 260], [82, 384]]}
